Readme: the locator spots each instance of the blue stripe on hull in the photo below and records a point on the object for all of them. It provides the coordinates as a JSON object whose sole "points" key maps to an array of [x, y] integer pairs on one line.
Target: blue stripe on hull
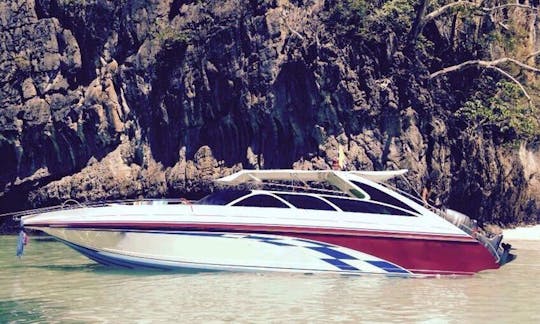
{"points": [[340, 264], [333, 253], [387, 266]]}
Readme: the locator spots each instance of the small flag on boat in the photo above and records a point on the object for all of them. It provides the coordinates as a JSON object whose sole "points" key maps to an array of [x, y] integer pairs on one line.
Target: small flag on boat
{"points": [[21, 242], [341, 157]]}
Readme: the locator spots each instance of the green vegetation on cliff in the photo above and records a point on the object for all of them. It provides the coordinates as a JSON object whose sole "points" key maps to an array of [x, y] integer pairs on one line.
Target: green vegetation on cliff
{"points": [[503, 110]]}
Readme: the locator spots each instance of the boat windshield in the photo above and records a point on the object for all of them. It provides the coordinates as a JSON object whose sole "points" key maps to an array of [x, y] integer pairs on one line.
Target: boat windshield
{"points": [[222, 197], [366, 206], [377, 195], [305, 201]]}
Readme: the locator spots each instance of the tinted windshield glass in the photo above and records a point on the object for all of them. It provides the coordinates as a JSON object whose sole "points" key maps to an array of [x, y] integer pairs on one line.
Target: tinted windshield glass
{"points": [[383, 197], [359, 206], [261, 201], [306, 202], [222, 197]]}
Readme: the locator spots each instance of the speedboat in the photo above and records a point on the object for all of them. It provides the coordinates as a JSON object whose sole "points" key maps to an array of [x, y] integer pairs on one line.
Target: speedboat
{"points": [[326, 221]]}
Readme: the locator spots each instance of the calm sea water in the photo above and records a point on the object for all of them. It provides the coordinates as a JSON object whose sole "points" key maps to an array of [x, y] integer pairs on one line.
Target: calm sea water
{"points": [[54, 284]]}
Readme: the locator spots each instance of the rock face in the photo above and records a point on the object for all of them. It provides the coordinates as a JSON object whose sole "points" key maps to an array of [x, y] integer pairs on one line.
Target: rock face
{"points": [[111, 99]]}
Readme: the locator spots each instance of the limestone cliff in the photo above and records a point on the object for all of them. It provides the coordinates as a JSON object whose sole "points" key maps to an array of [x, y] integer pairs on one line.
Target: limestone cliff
{"points": [[110, 99]]}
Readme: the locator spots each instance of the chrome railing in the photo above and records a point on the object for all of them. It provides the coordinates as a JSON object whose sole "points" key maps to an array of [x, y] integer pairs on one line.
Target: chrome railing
{"points": [[74, 204]]}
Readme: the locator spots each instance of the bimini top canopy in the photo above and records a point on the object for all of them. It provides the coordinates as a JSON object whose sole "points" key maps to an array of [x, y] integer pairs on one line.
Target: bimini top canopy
{"points": [[305, 175], [339, 179]]}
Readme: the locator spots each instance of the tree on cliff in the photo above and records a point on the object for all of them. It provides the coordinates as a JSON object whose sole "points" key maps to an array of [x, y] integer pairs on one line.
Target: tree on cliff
{"points": [[422, 18], [505, 65], [486, 38]]}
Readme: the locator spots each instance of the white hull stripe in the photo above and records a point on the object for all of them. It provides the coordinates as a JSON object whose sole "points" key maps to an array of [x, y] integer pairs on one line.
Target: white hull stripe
{"points": [[342, 259]]}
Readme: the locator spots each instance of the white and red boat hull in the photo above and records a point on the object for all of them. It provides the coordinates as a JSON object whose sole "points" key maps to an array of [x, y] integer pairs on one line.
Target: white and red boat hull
{"points": [[197, 237]]}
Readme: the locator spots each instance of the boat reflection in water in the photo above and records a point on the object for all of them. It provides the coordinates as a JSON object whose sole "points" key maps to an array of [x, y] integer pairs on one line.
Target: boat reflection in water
{"points": [[360, 226]]}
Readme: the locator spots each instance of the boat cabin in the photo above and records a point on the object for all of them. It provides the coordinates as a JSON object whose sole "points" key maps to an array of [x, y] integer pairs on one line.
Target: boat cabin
{"points": [[352, 192], [278, 199]]}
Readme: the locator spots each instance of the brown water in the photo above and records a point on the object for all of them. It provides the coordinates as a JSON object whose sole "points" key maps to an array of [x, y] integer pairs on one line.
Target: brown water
{"points": [[54, 284]]}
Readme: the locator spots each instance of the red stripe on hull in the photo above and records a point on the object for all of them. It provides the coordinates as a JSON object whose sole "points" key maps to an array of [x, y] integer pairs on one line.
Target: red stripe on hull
{"points": [[418, 255], [421, 253]]}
